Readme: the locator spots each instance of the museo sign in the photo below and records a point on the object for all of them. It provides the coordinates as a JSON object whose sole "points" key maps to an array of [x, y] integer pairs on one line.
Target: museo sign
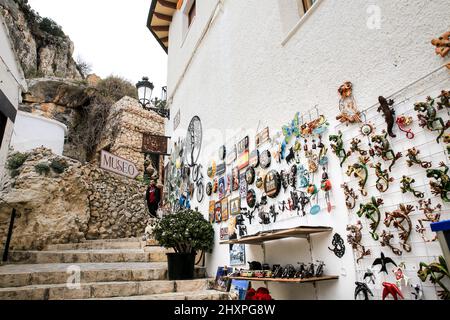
{"points": [[118, 165]]}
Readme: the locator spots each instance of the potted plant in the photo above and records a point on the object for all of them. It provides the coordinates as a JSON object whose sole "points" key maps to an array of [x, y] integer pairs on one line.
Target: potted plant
{"points": [[186, 232]]}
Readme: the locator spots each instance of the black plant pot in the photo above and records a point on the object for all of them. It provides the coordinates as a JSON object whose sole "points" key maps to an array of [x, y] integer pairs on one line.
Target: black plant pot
{"points": [[181, 266]]}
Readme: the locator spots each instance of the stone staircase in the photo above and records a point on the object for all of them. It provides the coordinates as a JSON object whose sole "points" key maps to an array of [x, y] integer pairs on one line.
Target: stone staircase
{"points": [[124, 269]]}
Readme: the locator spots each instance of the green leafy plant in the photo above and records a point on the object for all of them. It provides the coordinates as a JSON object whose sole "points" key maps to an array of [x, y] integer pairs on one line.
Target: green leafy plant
{"points": [[16, 160], [42, 168], [59, 166], [185, 231]]}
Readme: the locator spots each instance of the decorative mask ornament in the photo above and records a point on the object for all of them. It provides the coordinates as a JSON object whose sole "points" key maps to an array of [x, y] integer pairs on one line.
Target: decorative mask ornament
{"points": [[347, 105], [440, 187], [371, 211], [251, 198], [389, 114], [338, 147], [354, 238], [265, 159], [427, 115], [339, 245], [413, 159], [403, 122], [363, 288], [431, 215], [350, 196], [383, 149], [385, 241], [272, 184], [383, 178], [250, 175], [406, 186], [402, 222], [391, 289], [383, 261], [437, 271], [359, 170]]}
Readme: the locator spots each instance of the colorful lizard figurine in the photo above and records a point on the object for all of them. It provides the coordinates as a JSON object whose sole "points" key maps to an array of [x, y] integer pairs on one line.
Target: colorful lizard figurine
{"points": [[440, 187], [428, 117], [383, 149], [338, 147], [389, 114]]}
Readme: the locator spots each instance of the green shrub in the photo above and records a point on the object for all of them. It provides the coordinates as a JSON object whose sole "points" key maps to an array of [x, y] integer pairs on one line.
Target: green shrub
{"points": [[186, 231], [116, 88], [16, 160], [42, 168], [59, 166], [51, 27]]}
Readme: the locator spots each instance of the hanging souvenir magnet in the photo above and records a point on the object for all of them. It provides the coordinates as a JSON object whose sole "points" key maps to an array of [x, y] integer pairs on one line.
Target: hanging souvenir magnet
{"points": [[403, 122], [251, 198], [250, 175], [265, 159], [272, 184], [254, 159]]}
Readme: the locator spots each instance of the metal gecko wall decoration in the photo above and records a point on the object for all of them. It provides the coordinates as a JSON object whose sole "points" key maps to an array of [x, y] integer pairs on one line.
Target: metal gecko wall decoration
{"points": [[371, 211], [401, 221]]}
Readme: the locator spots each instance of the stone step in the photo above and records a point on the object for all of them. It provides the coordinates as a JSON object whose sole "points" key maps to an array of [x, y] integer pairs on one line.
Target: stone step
{"points": [[201, 295], [149, 254], [101, 290], [19, 275], [132, 243]]}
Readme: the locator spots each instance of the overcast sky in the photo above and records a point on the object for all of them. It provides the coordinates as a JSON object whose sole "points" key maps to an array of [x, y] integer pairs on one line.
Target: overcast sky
{"points": [[111, 35]]}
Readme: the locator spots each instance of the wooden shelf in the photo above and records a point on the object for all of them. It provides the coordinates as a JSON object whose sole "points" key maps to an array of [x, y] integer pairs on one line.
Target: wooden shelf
{"points": [[298, 232], [296, 280]]}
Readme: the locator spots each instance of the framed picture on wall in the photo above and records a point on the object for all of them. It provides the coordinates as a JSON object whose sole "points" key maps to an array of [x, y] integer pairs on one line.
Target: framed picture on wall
{"points": [[235, 206], [222, 188], [228, 183], [235, 178], [232, 234], [224, 234], [222, 283], [218, 212], [212, 206], [237, 254], [242, 186], [225, 214]]}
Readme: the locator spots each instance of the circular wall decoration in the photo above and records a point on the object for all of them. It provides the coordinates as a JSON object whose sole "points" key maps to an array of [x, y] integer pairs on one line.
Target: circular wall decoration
{"points": [[251, 198], [212, 169], [209, 188], [222, 153], [250, 175], [265, 159], [193, 141], [272, 184], [254, 159]]}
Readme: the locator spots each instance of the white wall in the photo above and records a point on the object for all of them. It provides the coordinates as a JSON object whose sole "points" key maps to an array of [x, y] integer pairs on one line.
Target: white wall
{"points": [[243, 77], [31, 131]]}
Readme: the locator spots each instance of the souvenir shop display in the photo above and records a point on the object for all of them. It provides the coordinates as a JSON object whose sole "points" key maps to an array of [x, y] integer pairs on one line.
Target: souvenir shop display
{"points": [[413, 158], [427, 115], [354, 238], [383, 261], [383, 177], [406, 186], [403, 122], [350, 196], [389, 114], [371, 211], [391, 289], [362, 288], [360, 170], [386, 238], [431, 215], [338, 147], [338, 245], [272, 184], [254, 159], [437, 272], [440, 187], [349, 112], [383, 149], [401, 221]]}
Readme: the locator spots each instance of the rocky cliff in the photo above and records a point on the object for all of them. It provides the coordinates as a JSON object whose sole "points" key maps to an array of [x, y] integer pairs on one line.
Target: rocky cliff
{"points": [[41, 46]]}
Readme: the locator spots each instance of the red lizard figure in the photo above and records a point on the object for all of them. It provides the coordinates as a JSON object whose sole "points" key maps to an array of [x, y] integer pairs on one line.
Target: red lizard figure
{"points": [[391, 288]]}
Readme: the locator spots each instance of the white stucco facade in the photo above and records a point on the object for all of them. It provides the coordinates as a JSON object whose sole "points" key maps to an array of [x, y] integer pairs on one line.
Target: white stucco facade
{"points": [[245, 65], [12, 83]]}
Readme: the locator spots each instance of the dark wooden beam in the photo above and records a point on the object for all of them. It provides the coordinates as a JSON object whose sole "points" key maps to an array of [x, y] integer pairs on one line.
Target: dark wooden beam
{"points": [[160, 28], [164, 17], [165, 39], [167, 4]]}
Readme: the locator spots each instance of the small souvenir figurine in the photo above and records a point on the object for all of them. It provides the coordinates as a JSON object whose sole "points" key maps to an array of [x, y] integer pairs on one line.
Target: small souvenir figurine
{"points": [[431, 215], [369, 274], [355, 148], [403, 122], [406, 186], [347, 105], [291, 130], [400, 276], [400, 217], [383, 149], [359, 170], [389, 114], [372, 212], [427, 115], [437, 271], [391, 289], [363, 288], [304, 201], [354, 239], [383, 178], [385, 241], [350, 196], [303, 176], [417, 291], [383, 261], [442, 44], [444, 100], [413, 159], [339, 246], [440, 187], [273, 212], [338, 147]]}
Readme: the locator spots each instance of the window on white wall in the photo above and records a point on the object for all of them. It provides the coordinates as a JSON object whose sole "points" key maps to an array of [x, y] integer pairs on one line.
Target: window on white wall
{"points": [[192, 13], [304, 6], [189, 14]]}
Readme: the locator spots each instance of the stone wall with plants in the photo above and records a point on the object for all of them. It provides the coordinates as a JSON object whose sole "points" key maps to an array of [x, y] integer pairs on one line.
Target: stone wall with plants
{"points": [[60, 200]]}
